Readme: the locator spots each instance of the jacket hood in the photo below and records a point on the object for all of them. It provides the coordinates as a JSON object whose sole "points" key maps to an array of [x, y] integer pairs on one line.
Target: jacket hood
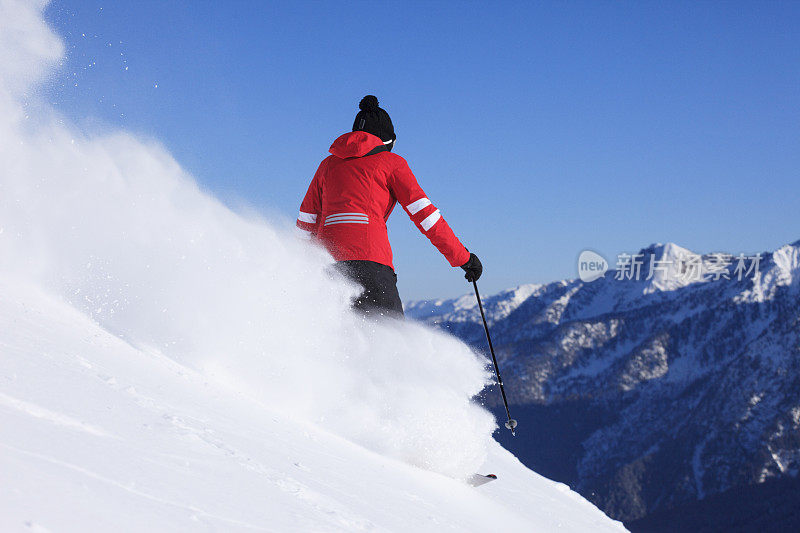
{"points": [[355, 144]]}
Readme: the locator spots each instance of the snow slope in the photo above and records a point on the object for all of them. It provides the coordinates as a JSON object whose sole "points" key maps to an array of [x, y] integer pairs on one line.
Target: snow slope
{"points": [[168, 364], [96, 435]]}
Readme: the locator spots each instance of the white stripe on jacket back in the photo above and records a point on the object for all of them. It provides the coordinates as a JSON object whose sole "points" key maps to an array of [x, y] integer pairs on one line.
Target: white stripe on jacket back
{"points": [[346, 215], [430, 220], [346, 218], [417, 206], [347, 221]]}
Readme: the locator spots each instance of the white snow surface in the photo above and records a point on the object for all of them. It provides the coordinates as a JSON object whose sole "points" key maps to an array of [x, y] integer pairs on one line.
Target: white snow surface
{"points": [[167, 364], [96, 435]]}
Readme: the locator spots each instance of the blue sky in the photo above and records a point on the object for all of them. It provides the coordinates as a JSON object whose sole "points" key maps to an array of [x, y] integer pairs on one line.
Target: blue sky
{"points": [[539, 129]]}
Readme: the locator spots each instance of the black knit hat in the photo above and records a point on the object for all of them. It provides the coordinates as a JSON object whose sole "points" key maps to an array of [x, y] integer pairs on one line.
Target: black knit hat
{"points": [[373, 119]]}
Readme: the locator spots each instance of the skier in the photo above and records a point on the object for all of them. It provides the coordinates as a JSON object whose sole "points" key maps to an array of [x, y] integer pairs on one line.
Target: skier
{"points": [[352, 195]]}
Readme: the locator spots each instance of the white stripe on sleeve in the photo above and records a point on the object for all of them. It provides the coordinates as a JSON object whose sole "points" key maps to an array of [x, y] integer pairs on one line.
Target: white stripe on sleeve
{"points": [[419, 205], [309, 218], [430, 220]]}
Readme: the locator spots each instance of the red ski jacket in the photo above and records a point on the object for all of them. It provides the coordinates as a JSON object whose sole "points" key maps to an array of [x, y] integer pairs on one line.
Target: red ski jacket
{"points": [[352, 195]]}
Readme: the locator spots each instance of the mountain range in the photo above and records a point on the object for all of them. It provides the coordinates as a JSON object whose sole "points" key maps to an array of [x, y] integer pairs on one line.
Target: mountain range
{"points": [[653, 393]]}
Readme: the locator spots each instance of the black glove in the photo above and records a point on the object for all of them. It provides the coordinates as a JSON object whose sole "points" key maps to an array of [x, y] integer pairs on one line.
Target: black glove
{"points": [[473, 268]]}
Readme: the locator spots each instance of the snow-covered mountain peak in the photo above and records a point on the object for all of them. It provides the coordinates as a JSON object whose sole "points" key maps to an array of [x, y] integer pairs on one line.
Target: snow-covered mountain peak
{"points": [[779, 269], [669, 267], [497, 306], [787, 261], [664, 266], [666, 251]]}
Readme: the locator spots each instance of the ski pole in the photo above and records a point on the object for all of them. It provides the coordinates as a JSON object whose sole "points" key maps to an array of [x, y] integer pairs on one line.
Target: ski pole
{"points": [[511, 423]]}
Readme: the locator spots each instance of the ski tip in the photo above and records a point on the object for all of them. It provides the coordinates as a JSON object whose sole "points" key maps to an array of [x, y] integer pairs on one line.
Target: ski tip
{"points": [[477, 480]]}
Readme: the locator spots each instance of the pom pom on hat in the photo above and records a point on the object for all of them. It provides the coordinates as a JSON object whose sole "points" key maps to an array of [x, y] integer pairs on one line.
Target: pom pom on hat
{"points": [[369, 104], [374, 120]]}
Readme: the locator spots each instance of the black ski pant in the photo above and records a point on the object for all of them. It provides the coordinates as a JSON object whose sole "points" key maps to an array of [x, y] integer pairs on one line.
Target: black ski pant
{"points": [[380, 296]]}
